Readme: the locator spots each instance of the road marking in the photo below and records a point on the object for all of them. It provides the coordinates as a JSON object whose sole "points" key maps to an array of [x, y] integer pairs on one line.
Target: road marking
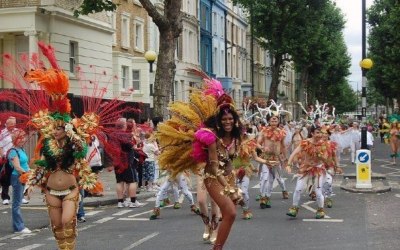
{"points": [[122, 212], [139, 242], [33, 208], [397, 195], [31, 247], [7, 236], [2, 244], [152, 199], [139, 214], [92, 213], [323, 220], [312, 210], [105, 219], [84, 228], [134, 219], [22, 236]]}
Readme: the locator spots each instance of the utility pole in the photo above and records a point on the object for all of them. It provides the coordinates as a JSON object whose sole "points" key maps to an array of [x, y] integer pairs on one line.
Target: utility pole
{"points": [[364, 81]]}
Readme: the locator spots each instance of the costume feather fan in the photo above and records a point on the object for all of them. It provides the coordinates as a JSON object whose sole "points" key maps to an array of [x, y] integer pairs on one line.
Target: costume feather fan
{"points": [[177, 135]]}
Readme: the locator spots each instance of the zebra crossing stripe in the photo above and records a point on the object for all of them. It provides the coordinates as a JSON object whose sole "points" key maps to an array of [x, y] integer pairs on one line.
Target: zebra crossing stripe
{"points": [[31, 247], [105, 219], [123, 212]]}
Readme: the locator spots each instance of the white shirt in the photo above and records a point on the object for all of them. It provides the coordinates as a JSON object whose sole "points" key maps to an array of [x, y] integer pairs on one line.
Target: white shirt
{"points": [[370, 138], [151, 150], [93, 155], [5, 140]]}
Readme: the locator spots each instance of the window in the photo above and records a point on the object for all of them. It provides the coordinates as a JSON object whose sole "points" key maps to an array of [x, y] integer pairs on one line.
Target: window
{"points": [[125, 31], [124, 77], [73, 56], [139, 37], [136, 80]]}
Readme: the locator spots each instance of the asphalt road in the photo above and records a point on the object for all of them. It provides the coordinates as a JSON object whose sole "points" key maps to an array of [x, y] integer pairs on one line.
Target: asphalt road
{"points": [[357, 221]]}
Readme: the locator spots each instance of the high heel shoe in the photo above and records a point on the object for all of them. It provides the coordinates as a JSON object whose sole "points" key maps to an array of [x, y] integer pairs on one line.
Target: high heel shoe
{"points": [[213, 236], [206, 234]]}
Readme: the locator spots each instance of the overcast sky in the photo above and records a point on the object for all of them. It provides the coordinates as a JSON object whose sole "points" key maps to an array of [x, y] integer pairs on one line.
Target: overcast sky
{"points": [[352, 35]]}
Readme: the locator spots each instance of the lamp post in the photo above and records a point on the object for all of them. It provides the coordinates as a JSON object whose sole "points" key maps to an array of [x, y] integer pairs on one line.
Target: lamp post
{"points": [[151, 57]]}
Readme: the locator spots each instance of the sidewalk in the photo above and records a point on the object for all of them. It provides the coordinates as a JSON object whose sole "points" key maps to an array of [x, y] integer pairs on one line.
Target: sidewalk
{"points": [[109, 198]]}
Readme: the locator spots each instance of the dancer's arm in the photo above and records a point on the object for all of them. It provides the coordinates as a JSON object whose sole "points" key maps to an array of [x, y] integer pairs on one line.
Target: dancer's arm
{"points": [[290, 160]]}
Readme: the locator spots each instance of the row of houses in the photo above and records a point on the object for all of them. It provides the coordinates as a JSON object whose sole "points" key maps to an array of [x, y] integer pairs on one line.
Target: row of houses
{"points": [[216, 38]]}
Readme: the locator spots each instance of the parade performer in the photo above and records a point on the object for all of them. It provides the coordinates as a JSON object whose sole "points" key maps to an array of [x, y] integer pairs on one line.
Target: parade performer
{"points": [[271, 140], [61, 168], [162, 195], [244, 169], [394, 135], [317, 155], [209, 123]]}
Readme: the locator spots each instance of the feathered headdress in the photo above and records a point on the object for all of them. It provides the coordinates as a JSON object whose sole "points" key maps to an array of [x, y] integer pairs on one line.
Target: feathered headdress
{"points": [[40, 92], [319, 111], [273, 109]]}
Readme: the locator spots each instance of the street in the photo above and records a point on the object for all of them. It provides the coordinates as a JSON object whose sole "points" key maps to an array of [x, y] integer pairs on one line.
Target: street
{"points": [[356, 221]]}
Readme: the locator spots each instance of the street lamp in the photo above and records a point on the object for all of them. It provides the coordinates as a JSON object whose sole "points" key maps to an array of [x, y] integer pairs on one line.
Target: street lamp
{"points": [[150, 57]]}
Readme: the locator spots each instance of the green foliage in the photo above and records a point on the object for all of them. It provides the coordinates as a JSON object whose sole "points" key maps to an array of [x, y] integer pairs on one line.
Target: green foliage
{"points": [[94, 6], [310, 31], [384, 47]]}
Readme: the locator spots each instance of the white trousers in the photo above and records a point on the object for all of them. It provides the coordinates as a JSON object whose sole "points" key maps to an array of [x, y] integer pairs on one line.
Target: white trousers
{"points": [[244, 186], [176, 184], [301, 184], [267, 178]]}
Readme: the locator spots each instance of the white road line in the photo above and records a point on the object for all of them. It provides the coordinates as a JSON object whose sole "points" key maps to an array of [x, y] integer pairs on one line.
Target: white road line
{"points": [[122, 212], [397, 195], [134, 219], [84, 228], [105, 219], [139, 242], [92, 213], [313, 210], [33, 208], [139, 214], [22, 236], [152, 199], [323, 220], [7, 236], [2, 244], [31, 247]]}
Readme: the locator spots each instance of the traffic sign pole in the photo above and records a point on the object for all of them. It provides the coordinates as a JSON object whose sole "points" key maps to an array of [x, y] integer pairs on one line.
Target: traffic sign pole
{"points": [[363, 169]]}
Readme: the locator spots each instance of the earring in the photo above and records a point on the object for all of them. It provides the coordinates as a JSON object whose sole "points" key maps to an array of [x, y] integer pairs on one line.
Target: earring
{"points": [[218, 128], [237, 124]]}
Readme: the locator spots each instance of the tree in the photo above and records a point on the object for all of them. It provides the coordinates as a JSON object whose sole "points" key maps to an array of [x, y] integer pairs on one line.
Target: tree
{"points": [[169, 24], [310, 32], [282, 26], [384, 47]]}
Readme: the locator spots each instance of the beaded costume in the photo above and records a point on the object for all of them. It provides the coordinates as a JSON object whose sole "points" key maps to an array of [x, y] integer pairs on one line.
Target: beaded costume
{"points": [[41, 93]]}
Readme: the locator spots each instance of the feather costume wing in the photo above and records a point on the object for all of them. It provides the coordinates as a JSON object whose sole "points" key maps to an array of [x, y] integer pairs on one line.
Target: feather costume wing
{"points": [[180, 139]]}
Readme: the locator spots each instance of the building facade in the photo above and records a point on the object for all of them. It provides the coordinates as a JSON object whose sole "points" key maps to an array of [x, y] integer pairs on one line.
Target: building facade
{"points": [[83, 41]]}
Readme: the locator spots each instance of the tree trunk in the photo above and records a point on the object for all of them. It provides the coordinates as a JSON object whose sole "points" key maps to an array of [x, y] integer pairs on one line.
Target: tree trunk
{"points": [[276, 72], [165, 73]]}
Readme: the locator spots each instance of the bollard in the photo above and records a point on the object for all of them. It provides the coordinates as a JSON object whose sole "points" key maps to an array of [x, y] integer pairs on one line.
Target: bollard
{"points": [[363, 168]]}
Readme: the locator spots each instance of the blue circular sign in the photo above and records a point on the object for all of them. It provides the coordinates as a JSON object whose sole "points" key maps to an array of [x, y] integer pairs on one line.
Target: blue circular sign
{"points": [[363, 157]]}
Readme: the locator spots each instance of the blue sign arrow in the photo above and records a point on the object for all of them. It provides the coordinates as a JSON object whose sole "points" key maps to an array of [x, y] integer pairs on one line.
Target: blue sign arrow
{"points": [[363, 157]]}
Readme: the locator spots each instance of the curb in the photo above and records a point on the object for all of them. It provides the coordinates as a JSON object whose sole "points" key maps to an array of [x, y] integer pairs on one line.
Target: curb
{"points": [[378, 186]]}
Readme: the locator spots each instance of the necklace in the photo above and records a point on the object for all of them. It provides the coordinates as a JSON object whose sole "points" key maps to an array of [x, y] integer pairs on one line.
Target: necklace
{"points": [[228, 147]]}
